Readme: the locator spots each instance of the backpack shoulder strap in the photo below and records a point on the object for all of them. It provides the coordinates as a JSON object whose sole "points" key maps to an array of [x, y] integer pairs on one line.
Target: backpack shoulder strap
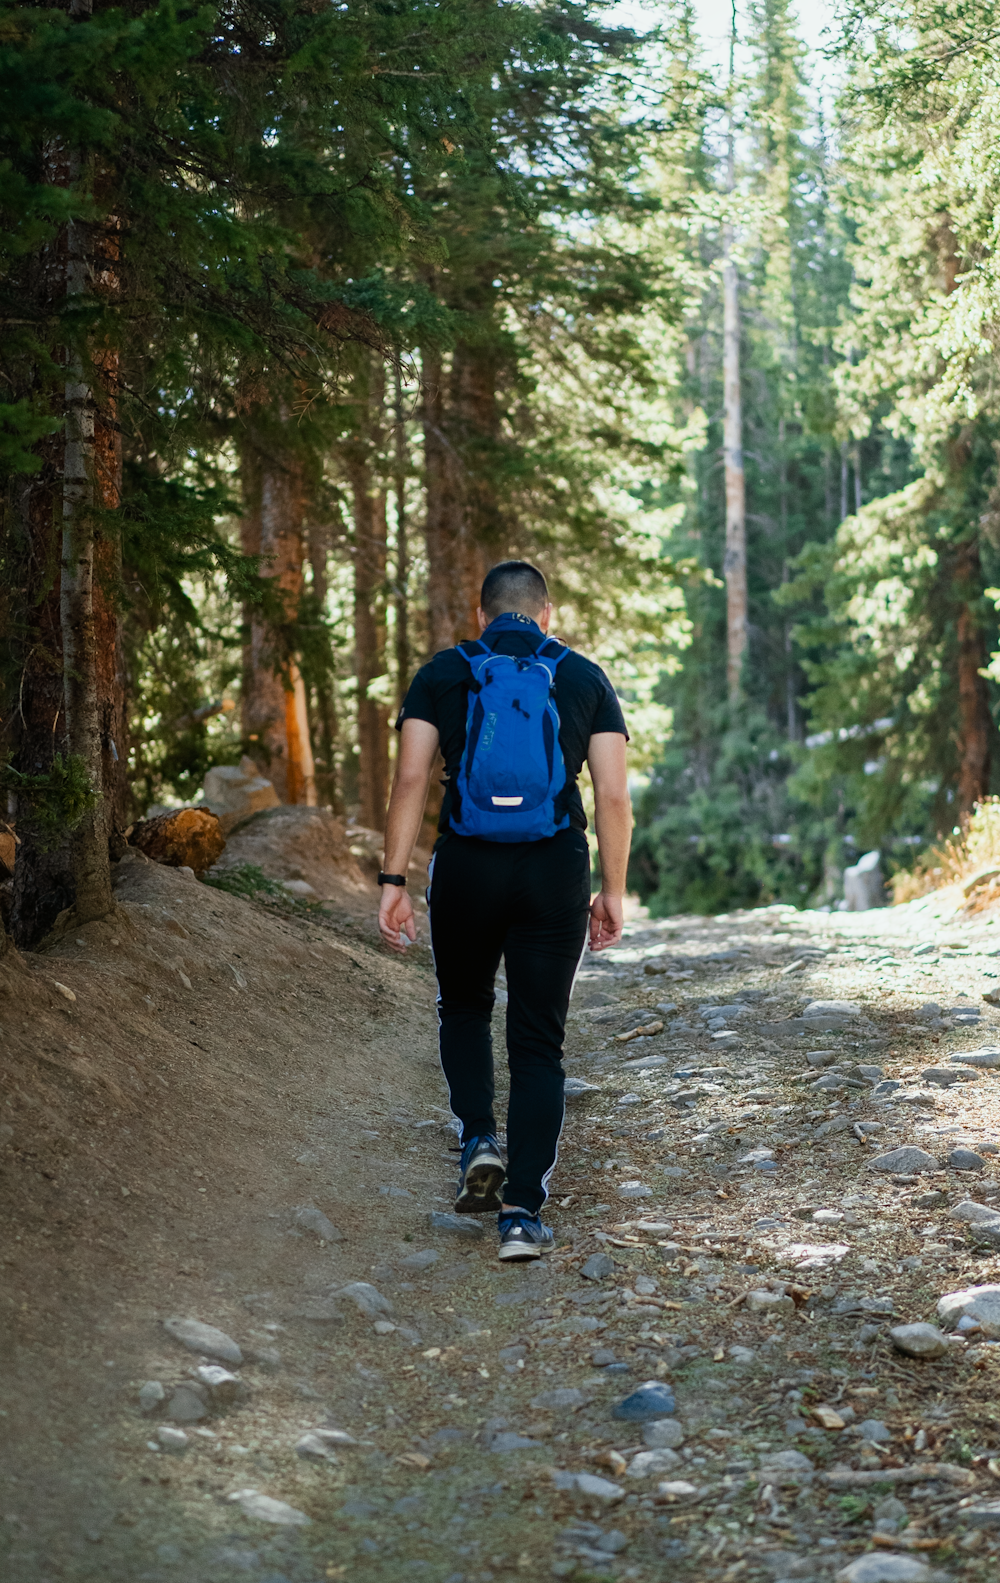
{"points": [[558, 651], [472, 649]]}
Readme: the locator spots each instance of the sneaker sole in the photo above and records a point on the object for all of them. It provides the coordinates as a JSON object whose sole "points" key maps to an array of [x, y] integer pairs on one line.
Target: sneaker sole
{"points": [[522, 1252], [481, 1193]]}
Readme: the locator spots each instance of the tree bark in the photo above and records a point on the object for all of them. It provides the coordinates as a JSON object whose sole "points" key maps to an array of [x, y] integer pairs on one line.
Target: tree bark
{"points": [[275, 719], [89, 842], [327, 723], [735, 562], [442, 529], [370, 637], [401, 589], [975, 723]]}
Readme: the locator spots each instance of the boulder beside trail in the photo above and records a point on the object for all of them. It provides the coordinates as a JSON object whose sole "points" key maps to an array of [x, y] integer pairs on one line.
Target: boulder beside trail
{"points": [[236, 791]]}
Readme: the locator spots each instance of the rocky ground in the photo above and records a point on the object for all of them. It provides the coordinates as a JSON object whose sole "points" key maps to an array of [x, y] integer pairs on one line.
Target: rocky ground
{"points": [[772, 1161]]}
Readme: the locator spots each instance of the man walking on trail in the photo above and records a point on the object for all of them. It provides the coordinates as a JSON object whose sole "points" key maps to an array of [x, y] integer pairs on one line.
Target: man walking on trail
{"points": [[514, 714]]}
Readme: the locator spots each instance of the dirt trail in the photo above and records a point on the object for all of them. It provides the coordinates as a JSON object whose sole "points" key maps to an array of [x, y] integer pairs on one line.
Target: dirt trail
{"points": [[226, 1076]]}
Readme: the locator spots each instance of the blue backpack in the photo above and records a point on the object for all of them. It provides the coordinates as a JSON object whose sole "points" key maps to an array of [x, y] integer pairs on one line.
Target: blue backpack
{"points": [[512, 768]]}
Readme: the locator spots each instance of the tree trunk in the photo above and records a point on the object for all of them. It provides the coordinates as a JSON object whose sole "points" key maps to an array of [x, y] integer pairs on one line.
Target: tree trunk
{"points": [[975, 723], [89, 843], [735, 564], [401, 589], [442, 524], [327, 723], [369, 637], [463, 523], [275, 719]]}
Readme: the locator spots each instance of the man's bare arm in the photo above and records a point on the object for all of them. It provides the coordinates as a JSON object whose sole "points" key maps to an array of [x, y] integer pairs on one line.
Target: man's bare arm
{"points": [[418, 747], [613, 820]]}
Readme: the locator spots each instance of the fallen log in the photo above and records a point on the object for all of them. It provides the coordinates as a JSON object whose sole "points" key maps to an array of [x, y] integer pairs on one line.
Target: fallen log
{"points": [[190, 838], [916, 1473]]}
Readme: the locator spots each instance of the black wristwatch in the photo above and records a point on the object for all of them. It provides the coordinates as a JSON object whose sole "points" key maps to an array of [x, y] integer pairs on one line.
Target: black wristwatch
{"points": [[391, 879]]}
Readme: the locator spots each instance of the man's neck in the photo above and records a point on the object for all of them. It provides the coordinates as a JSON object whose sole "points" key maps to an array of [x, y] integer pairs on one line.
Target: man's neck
{"points": [[512, 621]]}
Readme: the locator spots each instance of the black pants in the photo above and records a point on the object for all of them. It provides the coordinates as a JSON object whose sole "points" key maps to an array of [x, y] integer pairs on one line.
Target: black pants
{"points": [[527, 902]]}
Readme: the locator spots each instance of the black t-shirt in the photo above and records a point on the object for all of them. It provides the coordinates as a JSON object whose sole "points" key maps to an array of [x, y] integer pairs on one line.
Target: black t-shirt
{"points": [[585, 699]]}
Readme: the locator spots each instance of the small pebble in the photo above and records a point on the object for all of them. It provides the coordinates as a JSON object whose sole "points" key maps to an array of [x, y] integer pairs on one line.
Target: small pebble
{"points": [[151, 1395], [172, 1439], [652, 1400]]}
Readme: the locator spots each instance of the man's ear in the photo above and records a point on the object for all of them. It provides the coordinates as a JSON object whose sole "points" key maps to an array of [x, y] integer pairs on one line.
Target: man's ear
{"points": [[545, 619], [482, 618]]}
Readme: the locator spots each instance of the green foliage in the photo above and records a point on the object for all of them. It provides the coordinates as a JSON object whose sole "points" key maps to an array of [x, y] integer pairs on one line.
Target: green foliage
{"points": [[854, 1508], [54, 803], [720, 824], [250, 883]]}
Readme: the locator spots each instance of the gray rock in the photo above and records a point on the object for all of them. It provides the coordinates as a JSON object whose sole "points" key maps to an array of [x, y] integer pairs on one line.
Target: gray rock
{"points": [[920, 1340], [986, 1059], [786, 1468], [634, 1190], [983, 1514], [501, 1444], [598, 1489], [172, 1439], [206, 1339], [565, 1398], [966, 1160], [972, 1213], [653, 1399], [222, 1387], [986, 1233], [890, 1510], [886, 1568], [889, 1085], [367, 1299], [421, 1260], [663, 1434], [598, 1267], [308, 1218], [821, 1057], [905, 1161], [764, 1302], [875, 1431], [872, 1073], [601, 1357], [187, 1405], [151, 1394], [946, 1076], [262, 1508], [463, 1226], [653, 1464], [576, 1088], [313, 1448]]}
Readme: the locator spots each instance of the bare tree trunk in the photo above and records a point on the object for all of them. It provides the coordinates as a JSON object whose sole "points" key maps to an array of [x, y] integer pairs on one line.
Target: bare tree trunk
{"points": [[328, 725], [441, 527], [735, 564], [275, 719], [91, 865], [975, 723], [401, 590], [843, 479], [369, 638], [474, 425]]}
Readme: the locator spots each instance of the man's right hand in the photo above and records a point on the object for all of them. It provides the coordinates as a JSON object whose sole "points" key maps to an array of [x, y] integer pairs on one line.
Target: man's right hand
{"points": [[395, 917], [606, 921]]}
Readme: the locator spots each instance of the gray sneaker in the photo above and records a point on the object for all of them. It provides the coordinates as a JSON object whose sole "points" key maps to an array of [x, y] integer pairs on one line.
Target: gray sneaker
{"points": [[523, 1237]]}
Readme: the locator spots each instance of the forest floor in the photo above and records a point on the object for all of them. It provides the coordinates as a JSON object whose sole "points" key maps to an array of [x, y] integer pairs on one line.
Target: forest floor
{"points": [[228, 1074]]}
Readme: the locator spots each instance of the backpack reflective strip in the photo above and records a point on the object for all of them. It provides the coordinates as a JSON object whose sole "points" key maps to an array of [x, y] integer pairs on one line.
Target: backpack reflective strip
{"points": [[506, 802]]}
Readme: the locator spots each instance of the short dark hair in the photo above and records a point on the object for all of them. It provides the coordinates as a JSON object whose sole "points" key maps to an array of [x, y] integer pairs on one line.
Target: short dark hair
{"points": [[514, 585]]}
